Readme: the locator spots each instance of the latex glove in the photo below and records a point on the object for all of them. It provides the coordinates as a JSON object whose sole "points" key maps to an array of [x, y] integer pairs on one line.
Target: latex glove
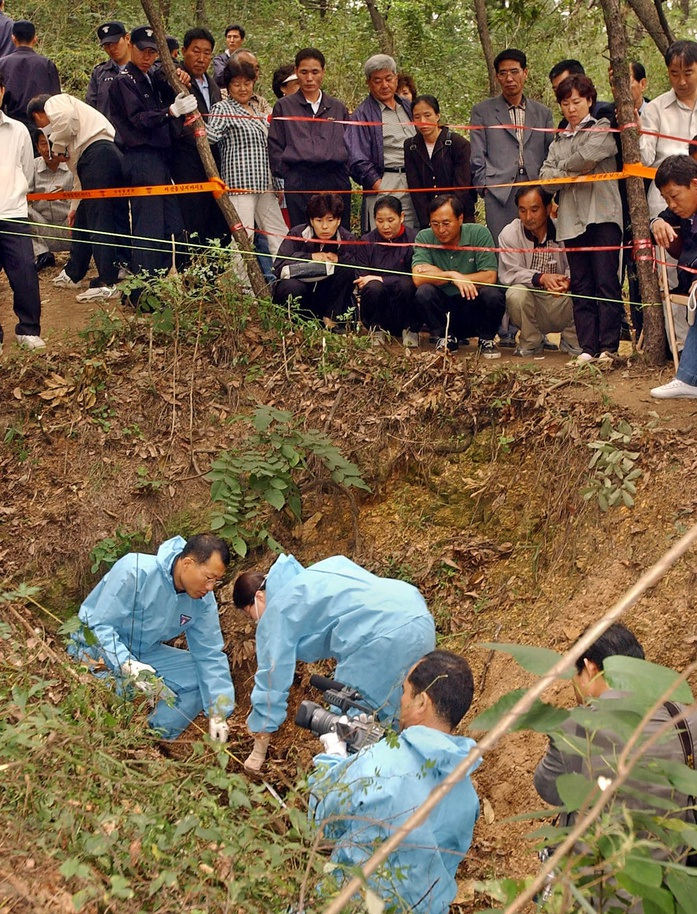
{"points": [[333, 744], [182, 104], [218, 729], [134, 668], [257, 756]]}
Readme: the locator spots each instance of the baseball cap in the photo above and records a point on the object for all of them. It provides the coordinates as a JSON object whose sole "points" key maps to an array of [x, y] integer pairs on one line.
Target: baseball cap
{"points": [[143, 37], [109, 32]]}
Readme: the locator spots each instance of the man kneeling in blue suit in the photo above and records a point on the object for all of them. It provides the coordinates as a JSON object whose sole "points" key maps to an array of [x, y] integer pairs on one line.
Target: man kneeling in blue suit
{"points": [[145, 600]]}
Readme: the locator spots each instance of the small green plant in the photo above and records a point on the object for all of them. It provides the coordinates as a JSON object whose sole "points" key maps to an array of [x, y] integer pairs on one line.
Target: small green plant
{"points": [[15, 437], [145, 484], [110, 549], [264, 472], [613, 467]]}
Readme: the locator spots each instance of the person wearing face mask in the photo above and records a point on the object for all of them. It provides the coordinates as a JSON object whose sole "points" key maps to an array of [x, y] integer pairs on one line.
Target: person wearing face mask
{"points": [[83, 138], [146, 600], [375, 628], [437, 158], [323, 283], [384, 280]]}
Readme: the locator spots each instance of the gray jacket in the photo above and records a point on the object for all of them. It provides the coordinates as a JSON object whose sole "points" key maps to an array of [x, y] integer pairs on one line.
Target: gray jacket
{"points": [[586, 152], [599, 758], [495, 150]]}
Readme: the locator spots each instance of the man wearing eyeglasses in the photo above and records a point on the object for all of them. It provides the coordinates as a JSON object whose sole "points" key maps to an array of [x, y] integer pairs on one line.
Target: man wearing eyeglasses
{"points": [[147, 600], [504, 147]]}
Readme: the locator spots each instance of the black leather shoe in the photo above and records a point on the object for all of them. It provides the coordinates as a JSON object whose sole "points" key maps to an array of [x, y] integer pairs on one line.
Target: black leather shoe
{"points": [[47, 259]]}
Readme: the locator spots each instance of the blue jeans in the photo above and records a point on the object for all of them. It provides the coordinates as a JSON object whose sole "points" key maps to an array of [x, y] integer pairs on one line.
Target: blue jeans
{"points": [[687, 369]]}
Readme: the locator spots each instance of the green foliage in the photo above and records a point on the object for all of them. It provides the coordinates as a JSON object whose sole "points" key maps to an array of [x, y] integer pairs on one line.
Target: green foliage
{"points": [[630, 851], [264, 472], [111, 548], [127, 828], [613, 467]]}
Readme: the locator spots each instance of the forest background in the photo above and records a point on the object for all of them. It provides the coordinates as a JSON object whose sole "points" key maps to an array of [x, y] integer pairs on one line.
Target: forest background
{"points": [[437, 41]]}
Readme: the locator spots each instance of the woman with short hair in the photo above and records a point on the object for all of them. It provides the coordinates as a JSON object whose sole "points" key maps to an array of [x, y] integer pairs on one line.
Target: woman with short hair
{"points": [[590, 217]]}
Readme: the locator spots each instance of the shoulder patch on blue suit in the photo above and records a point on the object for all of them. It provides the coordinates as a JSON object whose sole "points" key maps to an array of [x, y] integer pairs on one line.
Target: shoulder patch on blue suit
{"points": [[184, 619]]}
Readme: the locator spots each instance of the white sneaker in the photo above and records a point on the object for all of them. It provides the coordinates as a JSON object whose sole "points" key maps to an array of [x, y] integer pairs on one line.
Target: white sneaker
{"points": [[30, 342], [63, 281], [673, 389], [410, 340], [583, 359], [101, 293]]}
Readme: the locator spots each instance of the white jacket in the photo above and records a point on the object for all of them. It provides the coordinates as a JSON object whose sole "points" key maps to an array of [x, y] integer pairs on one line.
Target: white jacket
{"points": [[16, 168]]}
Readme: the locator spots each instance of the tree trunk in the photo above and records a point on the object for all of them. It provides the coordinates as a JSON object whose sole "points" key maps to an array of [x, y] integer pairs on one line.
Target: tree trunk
{"points": [[654, 330], [384, 32], [487, 47], [200, 14], [256, 277], [655, 25]]}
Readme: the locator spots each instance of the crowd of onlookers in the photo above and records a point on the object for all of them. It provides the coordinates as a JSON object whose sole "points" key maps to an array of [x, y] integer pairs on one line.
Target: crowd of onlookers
{"points": [[421, 260]]}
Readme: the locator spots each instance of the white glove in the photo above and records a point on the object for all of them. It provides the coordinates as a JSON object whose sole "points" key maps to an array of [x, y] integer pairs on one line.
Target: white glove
{"points": [[134, 668], [182, 104], [257, 757], [333, 744], [218, 729]]}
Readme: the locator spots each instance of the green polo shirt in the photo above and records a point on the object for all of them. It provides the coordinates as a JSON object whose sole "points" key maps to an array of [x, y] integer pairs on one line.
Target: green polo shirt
{"points": [[471, 235]]}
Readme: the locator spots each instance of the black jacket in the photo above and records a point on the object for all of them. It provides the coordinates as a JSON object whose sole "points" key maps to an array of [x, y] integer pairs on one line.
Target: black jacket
{"points": [[27, 74], [301, 244], [293, 143], [140, 109], [385, 255], [448, 167]]}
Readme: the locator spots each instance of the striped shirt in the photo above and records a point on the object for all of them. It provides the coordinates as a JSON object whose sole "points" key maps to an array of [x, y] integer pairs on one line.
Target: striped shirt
{"points": [[243, 143]]}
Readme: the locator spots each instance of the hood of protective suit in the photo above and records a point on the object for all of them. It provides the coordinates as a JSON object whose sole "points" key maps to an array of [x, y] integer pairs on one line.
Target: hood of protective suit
{"points": [[442, 751], [167, 553], [282, 572]]}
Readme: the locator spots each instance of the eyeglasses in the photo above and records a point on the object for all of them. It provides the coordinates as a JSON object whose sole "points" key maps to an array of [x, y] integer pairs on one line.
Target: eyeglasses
{"points": [[445, 224]]}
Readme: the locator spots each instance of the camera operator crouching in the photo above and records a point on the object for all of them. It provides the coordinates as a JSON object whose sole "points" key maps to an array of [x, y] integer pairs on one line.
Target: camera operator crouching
{"points": [[361, 799]]}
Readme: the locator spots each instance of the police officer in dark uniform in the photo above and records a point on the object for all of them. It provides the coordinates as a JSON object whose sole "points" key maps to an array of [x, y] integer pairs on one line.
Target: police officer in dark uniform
{"points": [[144, 111], [114, 38]]}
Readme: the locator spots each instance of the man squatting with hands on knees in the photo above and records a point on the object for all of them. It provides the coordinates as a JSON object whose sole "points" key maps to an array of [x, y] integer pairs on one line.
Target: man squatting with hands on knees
{"points": [[375, 628], [145, 600]]}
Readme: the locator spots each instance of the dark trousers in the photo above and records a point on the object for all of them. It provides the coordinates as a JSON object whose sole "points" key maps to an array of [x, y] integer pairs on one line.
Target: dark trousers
{"points": [[202, 217], [155, 219], [106, 220], [594, 277], [17, 259], [390, 305], [330, 297], [314, 179], [478, 317]]}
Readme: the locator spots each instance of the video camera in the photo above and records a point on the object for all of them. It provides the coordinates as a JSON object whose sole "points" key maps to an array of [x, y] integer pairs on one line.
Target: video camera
{"points": [[356, 732]]}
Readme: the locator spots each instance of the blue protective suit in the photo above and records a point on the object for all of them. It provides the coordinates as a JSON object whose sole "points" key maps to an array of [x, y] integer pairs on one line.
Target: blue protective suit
{"points": [[376, 628], [133, 609], [377, 790]]}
